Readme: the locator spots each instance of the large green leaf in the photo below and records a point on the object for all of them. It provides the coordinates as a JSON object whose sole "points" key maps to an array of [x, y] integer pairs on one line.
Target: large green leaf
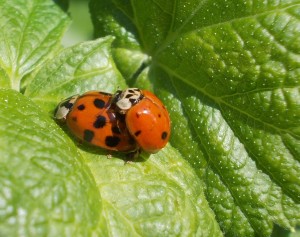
{"points": [[46, 189], [83, 67], [160, 196], [30, 33], [229, 74], [127, 52]]}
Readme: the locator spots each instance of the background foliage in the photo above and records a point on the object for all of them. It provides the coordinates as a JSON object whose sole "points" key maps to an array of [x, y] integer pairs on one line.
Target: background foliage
{"points": [[228, 72]]}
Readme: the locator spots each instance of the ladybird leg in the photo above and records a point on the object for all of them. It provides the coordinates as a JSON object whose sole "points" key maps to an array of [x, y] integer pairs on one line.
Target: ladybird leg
{"points": [[109, 155], [79, 142], [116, 96], [132, 156], [127, 162]]}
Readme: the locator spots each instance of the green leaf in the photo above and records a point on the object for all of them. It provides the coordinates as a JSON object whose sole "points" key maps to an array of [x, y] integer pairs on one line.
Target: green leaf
{"points": [[59, 77], [160, 196], [64, 4], [30, 33], [280, 232], [228, 71], [4, 79], [46, 188], [82, 67], [172, 204], [110, 21]]}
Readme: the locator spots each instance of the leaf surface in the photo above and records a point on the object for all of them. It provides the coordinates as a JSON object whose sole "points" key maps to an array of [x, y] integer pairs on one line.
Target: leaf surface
{"points": [[229, 74], [46, 188], [80, 68], [30, 33], [159, 196], [145, 198]]}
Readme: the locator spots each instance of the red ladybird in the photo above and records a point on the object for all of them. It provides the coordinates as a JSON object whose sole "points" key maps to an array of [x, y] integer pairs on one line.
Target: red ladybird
{"points": [[91, 118], [146, 118]]}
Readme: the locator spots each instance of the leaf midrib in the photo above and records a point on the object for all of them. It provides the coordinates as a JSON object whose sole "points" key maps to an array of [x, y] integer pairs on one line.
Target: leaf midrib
{"points": [[219, 101], [217, 171]]}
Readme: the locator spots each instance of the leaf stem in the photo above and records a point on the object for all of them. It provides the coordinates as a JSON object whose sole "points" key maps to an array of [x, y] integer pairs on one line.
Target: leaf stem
{"points": [[15, 82]]}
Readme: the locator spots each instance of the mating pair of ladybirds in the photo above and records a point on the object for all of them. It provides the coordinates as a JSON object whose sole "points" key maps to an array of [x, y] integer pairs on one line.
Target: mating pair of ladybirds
{"points": [[128, 121]]}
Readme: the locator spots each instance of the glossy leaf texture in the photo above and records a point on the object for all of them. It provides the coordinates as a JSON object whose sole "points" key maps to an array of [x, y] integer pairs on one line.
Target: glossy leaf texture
{"points": [[80, 68], [228, 71], [46, 188], [30, 33], [163, 209], [160, 195], [126, 50]]}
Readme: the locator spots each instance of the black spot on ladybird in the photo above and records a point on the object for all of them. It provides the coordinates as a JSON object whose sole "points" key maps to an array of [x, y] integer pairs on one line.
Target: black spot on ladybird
{"points": [[112, 141], [99, 103], [159, 115], [133, 101], [137, 133], [74, 119], [81, 107], [116, 130], [67, 104], [164, 135], [99, 122], [88, 135]]}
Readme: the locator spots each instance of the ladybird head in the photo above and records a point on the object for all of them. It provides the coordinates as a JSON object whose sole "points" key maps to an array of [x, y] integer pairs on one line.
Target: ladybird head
{"points": [[125, 99], [64, 107]]}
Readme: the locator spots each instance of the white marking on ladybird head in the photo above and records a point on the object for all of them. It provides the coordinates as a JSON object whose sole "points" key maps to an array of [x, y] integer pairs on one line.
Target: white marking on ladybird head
{"points": [[128, 98], [65, 107]]}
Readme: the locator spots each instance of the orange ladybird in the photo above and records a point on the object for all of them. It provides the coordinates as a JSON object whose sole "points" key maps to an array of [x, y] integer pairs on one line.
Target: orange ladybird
{"points": [[146, 118], [91, 118]]}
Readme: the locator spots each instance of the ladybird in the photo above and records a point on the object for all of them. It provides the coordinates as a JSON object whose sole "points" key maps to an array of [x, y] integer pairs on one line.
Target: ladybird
{"points": [[91, 118], [147, 119], [64, 108]]}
